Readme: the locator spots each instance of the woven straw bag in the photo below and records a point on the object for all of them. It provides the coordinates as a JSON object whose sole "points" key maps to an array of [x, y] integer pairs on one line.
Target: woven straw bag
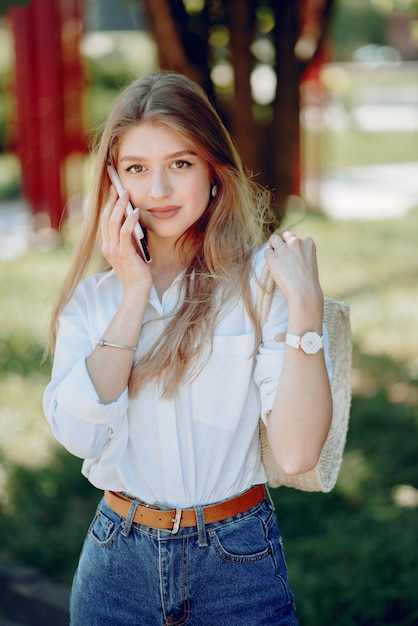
{"points": [[324, 475]]}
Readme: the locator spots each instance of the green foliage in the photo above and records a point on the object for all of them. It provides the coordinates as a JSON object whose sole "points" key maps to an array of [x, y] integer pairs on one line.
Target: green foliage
{"points": [[355, 147], [46, 519], [350, 553], [5, 5], [366, 26]]}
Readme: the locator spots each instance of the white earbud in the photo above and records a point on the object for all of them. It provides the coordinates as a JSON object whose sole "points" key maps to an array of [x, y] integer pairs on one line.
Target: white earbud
{"points": [[214, 191]]}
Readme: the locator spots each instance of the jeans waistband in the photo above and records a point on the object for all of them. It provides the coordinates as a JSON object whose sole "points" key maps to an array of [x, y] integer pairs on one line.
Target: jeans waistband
{"points": [[172, 520]]}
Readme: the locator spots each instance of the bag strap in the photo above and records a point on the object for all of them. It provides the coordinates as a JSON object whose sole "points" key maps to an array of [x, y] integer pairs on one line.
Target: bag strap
{"points": [[265, 295]]}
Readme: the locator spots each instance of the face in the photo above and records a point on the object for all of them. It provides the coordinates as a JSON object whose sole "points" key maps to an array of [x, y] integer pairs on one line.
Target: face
{"points": [[165, 178]]}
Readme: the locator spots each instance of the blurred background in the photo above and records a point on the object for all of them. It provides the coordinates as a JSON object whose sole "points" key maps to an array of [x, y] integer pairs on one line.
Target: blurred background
{"points": [[321, 97]]}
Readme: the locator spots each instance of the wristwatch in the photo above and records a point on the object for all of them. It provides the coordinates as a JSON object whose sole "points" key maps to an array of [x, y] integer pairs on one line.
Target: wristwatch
{"points": [[310, 342]]}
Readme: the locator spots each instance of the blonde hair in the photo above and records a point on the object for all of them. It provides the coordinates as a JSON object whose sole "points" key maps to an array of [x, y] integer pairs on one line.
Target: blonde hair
{"points": [[216, 250]]}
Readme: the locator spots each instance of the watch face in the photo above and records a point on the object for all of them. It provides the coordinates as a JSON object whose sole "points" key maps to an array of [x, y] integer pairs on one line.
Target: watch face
{"points": [[311, 343]]}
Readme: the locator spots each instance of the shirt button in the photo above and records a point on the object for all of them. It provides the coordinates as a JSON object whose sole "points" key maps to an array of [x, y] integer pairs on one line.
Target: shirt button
{"points": [[110, 432]]}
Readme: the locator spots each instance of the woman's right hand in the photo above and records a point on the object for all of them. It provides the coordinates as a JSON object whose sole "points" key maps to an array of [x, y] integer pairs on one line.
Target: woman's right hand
{"points": [[118, 246], [109, 367]]}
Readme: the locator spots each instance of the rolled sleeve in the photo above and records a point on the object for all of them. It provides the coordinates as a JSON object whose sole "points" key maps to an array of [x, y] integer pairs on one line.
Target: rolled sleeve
{"points": [[77, 395], [269, 360], [79, 421]]}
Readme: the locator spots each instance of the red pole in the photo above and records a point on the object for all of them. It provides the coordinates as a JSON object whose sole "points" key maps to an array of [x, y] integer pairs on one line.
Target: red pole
{"points": [[50, 106], [26, 117], [48, 123], [73, 74]]}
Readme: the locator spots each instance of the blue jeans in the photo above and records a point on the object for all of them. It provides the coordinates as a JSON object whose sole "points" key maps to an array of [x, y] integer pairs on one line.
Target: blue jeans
{"points": [[222, 574]]}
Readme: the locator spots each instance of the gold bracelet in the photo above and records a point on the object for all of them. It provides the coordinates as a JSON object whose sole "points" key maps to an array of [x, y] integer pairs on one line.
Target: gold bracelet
{"points": [[103, 343]]}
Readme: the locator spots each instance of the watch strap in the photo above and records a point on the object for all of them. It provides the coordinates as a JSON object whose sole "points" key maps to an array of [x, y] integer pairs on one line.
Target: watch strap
{"points": [[293, 340]]}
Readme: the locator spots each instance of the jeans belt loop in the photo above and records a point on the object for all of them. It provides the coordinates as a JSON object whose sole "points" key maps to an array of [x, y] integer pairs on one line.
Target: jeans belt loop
{"points": [[176, 522], [129, 518], [201, 526]]}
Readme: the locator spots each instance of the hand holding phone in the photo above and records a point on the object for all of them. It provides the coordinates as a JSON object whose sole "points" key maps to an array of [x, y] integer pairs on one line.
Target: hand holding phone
{"points": [[138, 232]]}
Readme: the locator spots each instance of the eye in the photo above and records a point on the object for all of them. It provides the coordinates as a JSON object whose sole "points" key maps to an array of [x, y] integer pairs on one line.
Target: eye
{"points": [[181, 164], [135, 169]]}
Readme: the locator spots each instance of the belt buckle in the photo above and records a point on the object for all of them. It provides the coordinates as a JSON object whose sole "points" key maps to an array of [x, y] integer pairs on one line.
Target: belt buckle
{"points": [[176, 522]]}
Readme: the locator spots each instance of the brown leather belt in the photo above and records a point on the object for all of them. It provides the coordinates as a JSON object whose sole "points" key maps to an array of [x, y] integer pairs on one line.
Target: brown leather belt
{"points": [[174, 519]]}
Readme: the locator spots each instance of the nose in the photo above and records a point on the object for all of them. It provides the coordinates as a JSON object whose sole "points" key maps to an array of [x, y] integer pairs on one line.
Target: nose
{"points": [[160, 185]]}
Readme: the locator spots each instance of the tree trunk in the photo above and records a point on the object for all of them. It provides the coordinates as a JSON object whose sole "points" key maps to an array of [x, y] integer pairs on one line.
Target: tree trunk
{"points": [[281, 145], [241, 21], [180, 47], [171, 54]]}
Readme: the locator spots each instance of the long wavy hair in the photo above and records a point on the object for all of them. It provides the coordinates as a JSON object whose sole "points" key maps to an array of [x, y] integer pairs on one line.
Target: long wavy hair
{"points": [[216, 250]]}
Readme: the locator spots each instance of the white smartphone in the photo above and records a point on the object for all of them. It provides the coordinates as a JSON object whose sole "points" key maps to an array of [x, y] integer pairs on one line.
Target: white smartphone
{"points": [[138, 232]]}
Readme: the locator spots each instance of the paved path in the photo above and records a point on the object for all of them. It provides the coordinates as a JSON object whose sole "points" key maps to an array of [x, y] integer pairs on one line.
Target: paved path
{"points": [[15, 228], [372, 192]]}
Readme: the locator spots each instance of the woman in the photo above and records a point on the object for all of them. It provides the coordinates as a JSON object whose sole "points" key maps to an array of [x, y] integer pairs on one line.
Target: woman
{"points": [[161, 372]]}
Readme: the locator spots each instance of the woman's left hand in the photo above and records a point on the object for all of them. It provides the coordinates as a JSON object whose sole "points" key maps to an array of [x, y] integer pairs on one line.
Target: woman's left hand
{"points": [[293, 265]]}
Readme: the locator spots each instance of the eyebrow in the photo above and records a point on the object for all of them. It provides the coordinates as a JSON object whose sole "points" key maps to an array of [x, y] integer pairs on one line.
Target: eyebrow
{"points": [[173, 155]]}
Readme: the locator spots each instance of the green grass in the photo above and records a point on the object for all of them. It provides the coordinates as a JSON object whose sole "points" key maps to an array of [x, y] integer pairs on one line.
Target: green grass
{"points": [[351, 553], [354, 147]]}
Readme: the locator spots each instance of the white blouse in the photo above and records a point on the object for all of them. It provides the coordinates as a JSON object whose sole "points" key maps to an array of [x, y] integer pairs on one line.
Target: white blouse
{"points": [[200, 446]]}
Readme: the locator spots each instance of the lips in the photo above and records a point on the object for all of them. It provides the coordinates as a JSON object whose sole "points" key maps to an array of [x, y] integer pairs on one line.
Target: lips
{"points": [[164, 213]]}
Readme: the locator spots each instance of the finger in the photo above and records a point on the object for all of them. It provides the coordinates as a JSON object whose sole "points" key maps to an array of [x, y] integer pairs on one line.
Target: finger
{"points": [[117, 216], [112, 220], [109, 206], [128, 225], [275, 242], [288, 236]]}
